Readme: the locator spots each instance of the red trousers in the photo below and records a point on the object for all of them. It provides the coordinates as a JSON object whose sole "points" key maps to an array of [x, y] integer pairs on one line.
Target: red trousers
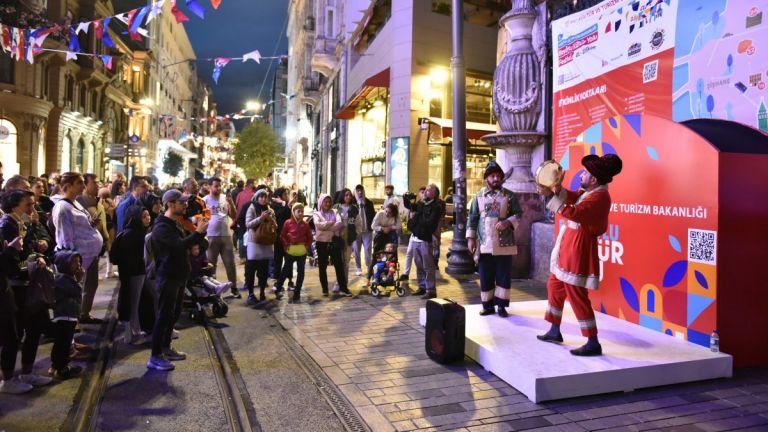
{"points": [[578, 297]]}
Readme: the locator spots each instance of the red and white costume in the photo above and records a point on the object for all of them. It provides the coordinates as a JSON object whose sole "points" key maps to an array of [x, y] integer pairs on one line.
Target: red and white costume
{"points": [[574, 264]]}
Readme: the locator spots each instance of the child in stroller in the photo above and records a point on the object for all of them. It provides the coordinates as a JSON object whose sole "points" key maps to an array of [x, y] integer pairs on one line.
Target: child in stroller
{"points": [[387, 271], [203, 289]]}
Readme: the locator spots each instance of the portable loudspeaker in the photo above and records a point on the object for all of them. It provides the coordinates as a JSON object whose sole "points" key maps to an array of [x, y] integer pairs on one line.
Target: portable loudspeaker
{"points": [[444, 338]]}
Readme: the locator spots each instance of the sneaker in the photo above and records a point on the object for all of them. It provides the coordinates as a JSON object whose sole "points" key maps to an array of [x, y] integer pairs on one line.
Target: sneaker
{"points": [[67, 372], [175, 334], [359, 272], [222, 287], [14, 386], [236, 294], [429, 295], [345, 293], [160, 363], [325, 294], [140, 338], [251, 300], [403, 277], [173, 355], [35, 380]]}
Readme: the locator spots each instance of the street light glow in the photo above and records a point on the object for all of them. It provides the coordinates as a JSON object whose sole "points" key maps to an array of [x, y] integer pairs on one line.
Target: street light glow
{"points": [[252, 105]]}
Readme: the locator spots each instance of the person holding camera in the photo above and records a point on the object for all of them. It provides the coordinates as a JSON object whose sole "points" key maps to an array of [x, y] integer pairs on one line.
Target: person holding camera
{"points": [[422, 222], [171, 247]]}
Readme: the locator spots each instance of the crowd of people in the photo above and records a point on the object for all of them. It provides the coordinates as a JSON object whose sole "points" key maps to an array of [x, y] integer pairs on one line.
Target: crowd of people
{"points": [[56, 231]]}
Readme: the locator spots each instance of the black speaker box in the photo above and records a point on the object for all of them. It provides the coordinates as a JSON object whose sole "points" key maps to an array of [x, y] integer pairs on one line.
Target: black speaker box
{"points": [[444, 338]]}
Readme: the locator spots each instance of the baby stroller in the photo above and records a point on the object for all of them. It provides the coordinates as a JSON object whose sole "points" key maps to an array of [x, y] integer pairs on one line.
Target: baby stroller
{"points": [[200, 294], [387, 273]]}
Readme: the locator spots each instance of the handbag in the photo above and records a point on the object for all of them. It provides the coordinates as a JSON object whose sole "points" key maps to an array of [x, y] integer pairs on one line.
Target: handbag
{"points": [[265, 233], [40, 291]]}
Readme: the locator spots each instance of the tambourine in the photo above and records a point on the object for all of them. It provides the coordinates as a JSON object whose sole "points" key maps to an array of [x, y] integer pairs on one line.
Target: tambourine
{"points": [[549, 174]]}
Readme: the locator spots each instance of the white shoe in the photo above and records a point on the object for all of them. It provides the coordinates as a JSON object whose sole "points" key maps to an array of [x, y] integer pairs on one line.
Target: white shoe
{"points": [[139, 339], [35, 380], [14, 386], [175, 334], [223, 287], [359, 272]]}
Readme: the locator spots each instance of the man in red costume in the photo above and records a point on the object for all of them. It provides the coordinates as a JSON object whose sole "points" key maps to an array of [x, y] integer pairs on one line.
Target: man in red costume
{"points": [[575, 265]]}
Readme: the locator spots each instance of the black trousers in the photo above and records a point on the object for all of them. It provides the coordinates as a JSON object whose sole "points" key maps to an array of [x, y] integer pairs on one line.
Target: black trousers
{"points": [[63, 332], [277, 266], [170, 293], [287, 272], [253, 269], [326, 251]]}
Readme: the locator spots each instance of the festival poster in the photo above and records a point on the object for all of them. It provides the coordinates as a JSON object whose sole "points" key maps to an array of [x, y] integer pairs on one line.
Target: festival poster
{"points": [[658, 257], [614, 58], [721, 62]]}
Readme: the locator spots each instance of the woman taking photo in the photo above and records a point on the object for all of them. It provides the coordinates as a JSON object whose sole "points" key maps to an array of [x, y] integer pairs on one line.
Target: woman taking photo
{"points": [[258, 251]]}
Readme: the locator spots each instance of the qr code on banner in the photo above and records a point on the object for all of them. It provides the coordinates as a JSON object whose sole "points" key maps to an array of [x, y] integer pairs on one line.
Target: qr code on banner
{"points": [[650, 71], [702, 246]]}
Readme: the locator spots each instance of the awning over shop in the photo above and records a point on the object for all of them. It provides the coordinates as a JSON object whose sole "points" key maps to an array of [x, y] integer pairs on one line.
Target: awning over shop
{"points": [[380, 80], [443, 128], [176, 148]]}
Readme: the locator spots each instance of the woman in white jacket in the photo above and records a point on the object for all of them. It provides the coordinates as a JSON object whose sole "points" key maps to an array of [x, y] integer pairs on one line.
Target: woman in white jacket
{"points": [[328, 224]]}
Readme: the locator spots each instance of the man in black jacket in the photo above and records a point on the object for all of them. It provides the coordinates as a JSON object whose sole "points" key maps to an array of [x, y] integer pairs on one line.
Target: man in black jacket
{"points": [[424, 219], [367, 213], [171, 250]]}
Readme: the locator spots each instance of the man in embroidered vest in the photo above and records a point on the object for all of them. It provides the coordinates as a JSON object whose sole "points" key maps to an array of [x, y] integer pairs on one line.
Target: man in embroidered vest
{"points": [[493, 217], [574, 265]]}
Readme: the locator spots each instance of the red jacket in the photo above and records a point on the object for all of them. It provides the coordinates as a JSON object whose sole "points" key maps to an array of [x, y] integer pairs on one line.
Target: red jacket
{"points": [[296, 233], [575, 258]]}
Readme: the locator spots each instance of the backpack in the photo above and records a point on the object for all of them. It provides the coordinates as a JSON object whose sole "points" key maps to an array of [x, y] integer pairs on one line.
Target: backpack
{"points": [[41, 289], [149, 258]]}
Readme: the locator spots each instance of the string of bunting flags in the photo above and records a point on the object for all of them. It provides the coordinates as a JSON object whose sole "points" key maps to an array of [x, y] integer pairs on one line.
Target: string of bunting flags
{"points": [[25, 43]]}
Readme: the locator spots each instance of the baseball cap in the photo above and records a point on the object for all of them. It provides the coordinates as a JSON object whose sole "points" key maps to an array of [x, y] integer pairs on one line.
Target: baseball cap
{"points": [[174, 195]]}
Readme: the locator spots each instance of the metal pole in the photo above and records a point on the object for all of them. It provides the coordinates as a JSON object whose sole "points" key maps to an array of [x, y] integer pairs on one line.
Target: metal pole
{"points": [[459, 261]]}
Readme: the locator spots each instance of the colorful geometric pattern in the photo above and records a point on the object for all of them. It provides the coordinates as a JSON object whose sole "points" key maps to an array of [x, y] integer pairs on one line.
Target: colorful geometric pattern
{"points": [[647, 277]]}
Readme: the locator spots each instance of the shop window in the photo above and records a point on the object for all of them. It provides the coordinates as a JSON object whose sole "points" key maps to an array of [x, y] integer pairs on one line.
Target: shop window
{"points": [[485, 13], [41, 150], [70, 91], [66, 155]]}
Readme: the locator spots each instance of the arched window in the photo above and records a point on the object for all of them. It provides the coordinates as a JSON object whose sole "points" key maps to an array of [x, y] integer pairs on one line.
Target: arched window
{"points": [[8, 143], [80, 156], [66, 155]]}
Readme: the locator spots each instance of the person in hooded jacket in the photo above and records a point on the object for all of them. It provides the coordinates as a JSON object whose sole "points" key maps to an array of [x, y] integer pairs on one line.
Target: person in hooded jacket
{"points": [[258, 254], [128, 253], [153, 204], [328, 224], [296, 238], [66, 309]]}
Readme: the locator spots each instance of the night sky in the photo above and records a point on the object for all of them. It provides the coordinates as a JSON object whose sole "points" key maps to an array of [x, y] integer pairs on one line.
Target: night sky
{"points": [[238, 27]]}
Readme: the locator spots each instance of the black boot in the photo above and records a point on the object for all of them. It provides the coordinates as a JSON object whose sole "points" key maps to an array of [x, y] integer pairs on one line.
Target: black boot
{"points": [[503, 311]]}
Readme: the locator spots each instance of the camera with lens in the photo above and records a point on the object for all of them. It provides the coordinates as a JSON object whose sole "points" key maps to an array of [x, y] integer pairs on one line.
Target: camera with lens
{"points": [[408, 199]]}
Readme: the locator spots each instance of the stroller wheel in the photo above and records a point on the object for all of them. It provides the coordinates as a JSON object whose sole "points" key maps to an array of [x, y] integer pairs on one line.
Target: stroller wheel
{"points": [[220, 309], [375, 291], [400, 291]]}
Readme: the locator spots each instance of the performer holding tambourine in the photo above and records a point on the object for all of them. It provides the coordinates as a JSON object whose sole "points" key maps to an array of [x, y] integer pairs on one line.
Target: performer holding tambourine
{"points": [[575, 265]]}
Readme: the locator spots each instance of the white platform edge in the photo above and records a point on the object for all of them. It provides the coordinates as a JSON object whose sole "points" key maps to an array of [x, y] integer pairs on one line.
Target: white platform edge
{"points": [[553, 386]]}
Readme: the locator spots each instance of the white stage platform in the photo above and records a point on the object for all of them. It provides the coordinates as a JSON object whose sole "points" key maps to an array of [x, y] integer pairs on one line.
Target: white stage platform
{"points": [[633, 356]]}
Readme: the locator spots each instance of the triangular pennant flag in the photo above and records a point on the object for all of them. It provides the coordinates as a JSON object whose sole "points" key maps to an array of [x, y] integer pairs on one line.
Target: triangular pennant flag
{"points": [[105, 37], [253, 55], [107, 59], [135, 36], [196, 8], [17, 44], [71, 56], [83, 26], [215, 3], [178, 14], [97, 27], [5, 40], [74, 44], [218, 65], [29, 42], [131, 17], [157, 8]]}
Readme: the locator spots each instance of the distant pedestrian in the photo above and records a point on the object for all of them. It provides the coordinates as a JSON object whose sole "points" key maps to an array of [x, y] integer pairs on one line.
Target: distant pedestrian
{"points": [[424, 218], [259, 252], [223, 212], [296, 238], [68, 294], [328, 224]]}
